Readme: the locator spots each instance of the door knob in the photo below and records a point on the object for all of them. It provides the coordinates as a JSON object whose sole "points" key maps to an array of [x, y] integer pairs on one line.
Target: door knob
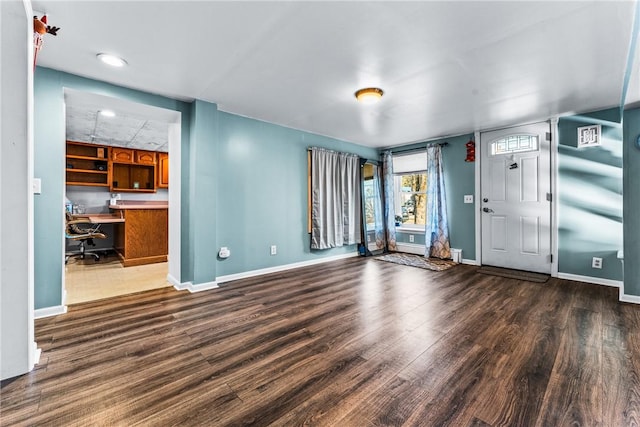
{"points": [[487, 210]]}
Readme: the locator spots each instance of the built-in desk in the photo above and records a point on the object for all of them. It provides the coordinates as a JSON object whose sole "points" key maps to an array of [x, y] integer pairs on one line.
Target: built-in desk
{"points": [[100, 218], [143, 236]]}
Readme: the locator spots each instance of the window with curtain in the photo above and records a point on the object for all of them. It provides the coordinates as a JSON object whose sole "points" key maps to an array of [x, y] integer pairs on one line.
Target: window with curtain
{"points": [[335, 199], [410, 189]]}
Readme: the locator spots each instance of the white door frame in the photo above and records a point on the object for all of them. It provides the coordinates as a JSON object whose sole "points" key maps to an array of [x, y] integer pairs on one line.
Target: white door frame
{"points": [[553, 148]]}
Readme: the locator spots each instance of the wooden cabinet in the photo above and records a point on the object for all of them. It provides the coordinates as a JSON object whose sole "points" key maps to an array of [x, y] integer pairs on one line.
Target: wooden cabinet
{"points": [[133, 178], [122, 155], [133, 170], [162, 170], [143, 236], [87, 164], [119, 168], [145, 157]]}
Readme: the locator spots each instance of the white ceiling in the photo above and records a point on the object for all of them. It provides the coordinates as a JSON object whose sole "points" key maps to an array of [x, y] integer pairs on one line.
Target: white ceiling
{"points": [[447, 67]]}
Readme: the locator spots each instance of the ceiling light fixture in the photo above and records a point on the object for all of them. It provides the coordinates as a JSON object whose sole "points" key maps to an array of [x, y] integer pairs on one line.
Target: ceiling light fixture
{"points": [[369, 95], [112, 60], [107, 113]]}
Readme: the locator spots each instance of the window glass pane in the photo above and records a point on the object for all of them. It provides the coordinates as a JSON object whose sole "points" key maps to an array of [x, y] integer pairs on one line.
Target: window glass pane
{"points": [[514, 144], [411, 200], [369, 201]]}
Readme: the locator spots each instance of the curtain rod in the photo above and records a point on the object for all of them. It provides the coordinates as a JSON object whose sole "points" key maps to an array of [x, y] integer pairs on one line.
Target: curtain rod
{"points": [[408, 150]]}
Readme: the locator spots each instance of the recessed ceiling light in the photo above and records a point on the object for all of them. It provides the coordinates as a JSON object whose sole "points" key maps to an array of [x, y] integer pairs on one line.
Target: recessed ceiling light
{"points": [[369, 95], [112, 60], [107, 113]]}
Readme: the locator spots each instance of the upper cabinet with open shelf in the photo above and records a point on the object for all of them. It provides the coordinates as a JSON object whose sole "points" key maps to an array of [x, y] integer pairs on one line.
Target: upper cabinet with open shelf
{"points": [[87, 164], [121, 169]]}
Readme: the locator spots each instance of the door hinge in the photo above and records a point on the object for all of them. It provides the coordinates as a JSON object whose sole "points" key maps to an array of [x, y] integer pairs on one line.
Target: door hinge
{"points": [[549, 197], [551, 258], [548, 136]]}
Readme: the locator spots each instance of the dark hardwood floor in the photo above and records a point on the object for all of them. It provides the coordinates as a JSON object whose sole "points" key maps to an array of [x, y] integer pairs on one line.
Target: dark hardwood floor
{"points": [[358, 342]]}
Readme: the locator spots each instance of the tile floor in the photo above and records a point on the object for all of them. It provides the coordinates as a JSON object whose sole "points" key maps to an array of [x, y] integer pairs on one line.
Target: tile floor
{"points": [[88, 280]]}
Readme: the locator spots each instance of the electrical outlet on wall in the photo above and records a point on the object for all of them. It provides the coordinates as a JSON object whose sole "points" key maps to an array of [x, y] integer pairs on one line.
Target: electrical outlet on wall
{"points": [[596, 262], [411, 238], [274, 249]]}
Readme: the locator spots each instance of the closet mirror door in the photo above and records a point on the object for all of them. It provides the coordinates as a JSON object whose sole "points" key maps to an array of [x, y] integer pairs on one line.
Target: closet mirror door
{"points": [[372, 221]]}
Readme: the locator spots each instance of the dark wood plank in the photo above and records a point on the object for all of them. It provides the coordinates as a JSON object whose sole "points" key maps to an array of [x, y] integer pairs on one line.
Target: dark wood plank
{"points": [[356, 342], [574, 395]]}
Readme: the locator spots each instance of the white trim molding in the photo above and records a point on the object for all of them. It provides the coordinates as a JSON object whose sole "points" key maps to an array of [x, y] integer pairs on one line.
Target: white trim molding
{"points": [[189, 286], [589, 279], [622, 297], [253, 273], [470, 261], [36, 353], [49, 311], [553, 151], [633, 299], [476, 205]]}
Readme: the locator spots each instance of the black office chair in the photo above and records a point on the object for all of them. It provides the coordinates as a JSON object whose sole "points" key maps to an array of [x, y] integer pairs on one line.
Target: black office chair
{"points": [[83, 235]]}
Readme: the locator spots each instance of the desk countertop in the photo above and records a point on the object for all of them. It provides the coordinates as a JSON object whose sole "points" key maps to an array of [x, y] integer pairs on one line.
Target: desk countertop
{"points": [[140, 205], [100, 218]]}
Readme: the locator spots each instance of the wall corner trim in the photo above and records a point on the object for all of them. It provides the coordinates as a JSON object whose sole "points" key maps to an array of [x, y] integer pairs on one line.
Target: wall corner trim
{"points": [[593, 280], [49, 311], [470, 261], [252, 273], [189, 286]]}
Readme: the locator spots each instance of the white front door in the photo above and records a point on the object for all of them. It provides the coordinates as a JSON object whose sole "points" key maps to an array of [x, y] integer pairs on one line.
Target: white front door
{"points": [[515, 182]]}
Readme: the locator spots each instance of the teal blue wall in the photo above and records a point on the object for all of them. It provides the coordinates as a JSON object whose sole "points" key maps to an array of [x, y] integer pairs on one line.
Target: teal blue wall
{"points": [[49, 164], [459, 180], [590, 197], [243, 185], [403, 237], [262, 193], [203, 169], [49, 152], [631, 177]]}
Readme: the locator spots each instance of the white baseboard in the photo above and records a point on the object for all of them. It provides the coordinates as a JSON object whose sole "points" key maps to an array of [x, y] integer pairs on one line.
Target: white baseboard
{"points": [[634, 299], [589, 279], [202, 286], [253, 273], [36, 353], [410, 248], [189, 286], [49, 311], [175, 282]]}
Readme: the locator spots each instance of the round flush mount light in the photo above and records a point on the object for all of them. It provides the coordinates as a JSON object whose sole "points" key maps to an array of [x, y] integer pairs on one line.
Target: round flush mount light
{"points": [[112, 60], [369, 95], [107, 113]]}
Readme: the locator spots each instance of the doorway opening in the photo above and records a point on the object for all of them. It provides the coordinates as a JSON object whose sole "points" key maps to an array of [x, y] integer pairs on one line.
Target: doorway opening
{"points": [[94, 186]]}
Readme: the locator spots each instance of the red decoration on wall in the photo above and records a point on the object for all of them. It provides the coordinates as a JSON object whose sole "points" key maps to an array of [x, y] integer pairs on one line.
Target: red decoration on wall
{"points": [[471, 151], [40, 28]]}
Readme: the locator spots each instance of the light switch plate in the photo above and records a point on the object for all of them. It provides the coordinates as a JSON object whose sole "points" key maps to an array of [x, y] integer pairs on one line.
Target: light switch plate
{"points": [[468, 198]]}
